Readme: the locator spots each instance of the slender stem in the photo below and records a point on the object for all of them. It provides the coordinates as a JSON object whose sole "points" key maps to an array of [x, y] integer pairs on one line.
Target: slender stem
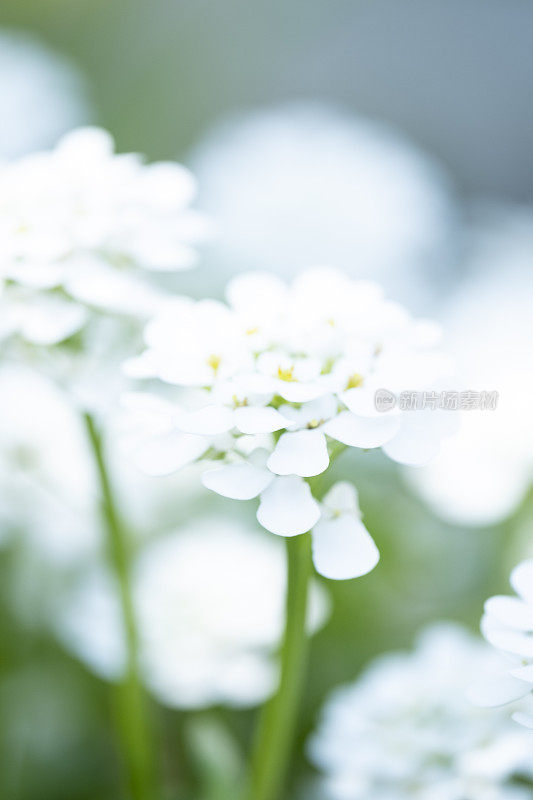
{"points": [[131, 720], [273, 746]]}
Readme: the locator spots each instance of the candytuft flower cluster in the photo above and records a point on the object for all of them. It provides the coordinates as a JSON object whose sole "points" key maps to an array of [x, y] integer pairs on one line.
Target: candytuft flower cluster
{"points": [[406, 731], [78, 226], [273, 384], [508, 625], [201, 645]]}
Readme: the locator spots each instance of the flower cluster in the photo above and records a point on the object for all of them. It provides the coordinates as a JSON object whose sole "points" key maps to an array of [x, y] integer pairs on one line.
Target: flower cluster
{"points": [[77, 226], [201, 645], [406, 731], [273, 384], [508, 625]]}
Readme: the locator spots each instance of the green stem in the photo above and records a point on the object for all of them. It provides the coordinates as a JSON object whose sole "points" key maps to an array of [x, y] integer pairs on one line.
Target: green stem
{"points": [[273, 746], [277, 727], [131, 720]]}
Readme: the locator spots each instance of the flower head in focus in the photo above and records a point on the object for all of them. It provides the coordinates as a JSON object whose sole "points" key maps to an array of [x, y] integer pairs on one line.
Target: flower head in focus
{"points": [[406, 731], [508, 625], [272, 385], [83, 228], [209, 602]]}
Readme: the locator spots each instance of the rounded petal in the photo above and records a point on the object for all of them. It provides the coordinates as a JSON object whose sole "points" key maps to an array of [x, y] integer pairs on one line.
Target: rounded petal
{"points": [[365, 432], [342, 498], [296, 392], [523, 719], [343, 548], [418, 439], [51, 320], [499, 692], [524, 673], [509, 641], [162, 455], [96, 284], [237, 481], [259, 420], [522, 580], [303, 453], [511, 611], [287, 507], [207, 421]]}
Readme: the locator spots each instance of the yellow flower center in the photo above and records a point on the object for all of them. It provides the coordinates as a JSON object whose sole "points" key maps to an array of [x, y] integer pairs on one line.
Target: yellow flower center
{"points": [[354, 381], [214, 362], [286, 374]]}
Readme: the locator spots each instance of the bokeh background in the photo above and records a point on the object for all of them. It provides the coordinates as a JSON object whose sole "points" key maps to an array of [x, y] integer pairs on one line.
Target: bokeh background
{"points": [[447, 87]]}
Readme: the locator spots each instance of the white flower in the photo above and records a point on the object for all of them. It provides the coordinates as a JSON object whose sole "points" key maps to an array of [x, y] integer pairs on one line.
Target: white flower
{"points": [[342, 546], [508, 625], [80, 222], [210, 608], [42, 95], [42, 320], [270, 385], [493, 456], [406, 731], [47, 487], [305, 183]]}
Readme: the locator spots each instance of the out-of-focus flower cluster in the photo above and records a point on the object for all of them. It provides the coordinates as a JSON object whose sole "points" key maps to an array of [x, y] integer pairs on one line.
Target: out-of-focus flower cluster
{"points": [[210, 607], [406, 730], [79, 225], [271, 385], [508, 625]]}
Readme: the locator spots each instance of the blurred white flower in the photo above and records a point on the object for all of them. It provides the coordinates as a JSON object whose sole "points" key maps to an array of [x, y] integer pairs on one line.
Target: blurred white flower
{"points": [[406, 731], [269, 385], [80, 222], [210, 608], [508, 625], [47, 486], [305, 184], [42, 95], [482, 475]]}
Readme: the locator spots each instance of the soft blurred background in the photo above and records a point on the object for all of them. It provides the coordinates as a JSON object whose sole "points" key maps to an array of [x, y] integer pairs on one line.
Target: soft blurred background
{"points": [[390, 138]]}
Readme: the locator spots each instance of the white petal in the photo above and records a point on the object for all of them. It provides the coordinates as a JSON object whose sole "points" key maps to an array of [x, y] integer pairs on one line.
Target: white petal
{"points": [[343, 548], [342, 498], [259, 420], [511, 611], [37, 276], [523, 719], [51, 321], [523, 673], [319, 410], [143, 366], [360, 401], [295, 392], [237, 481], [287, 507], [418, 439], [365, 432], [101, 286], [162, 455], [519, 644], [207, 421], [303, 453], [522, 580], [499, 692]]}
